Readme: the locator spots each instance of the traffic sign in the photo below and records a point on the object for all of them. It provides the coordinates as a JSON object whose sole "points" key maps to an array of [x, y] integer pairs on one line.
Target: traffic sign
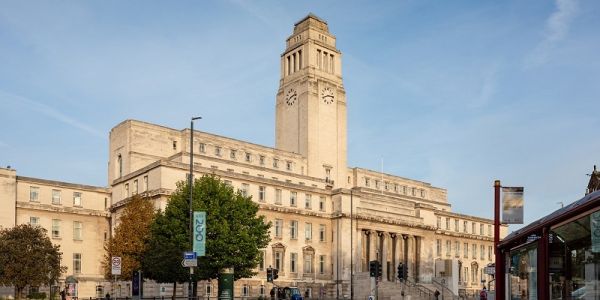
{"points": [[115, 263], [189, 259]]}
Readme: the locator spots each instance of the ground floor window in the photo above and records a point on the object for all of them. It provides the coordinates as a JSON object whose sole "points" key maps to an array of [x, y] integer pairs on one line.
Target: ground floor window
{"points": [[523, 272]]}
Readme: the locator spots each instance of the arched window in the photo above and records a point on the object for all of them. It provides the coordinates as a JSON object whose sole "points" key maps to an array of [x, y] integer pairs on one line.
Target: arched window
{"points": [[119, 166]]}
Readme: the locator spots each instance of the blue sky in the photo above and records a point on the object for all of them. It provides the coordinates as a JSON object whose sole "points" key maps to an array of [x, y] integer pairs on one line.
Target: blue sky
{"points": [[455, 93]]}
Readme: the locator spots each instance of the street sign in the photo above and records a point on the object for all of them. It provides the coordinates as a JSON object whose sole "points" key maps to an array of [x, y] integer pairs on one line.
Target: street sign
{"points": [[189, 259], [199, 232], [489, 270], [115, 263]]}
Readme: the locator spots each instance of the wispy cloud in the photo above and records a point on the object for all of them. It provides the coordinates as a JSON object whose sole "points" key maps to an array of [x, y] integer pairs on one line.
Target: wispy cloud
{"points": [[50, 112], [556, 30]]}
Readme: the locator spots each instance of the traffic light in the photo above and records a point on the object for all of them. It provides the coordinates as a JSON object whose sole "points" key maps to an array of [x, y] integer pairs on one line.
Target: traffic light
{"points": [[275, 274], [269, 274], [379, 270], [400, 272], [405, 271], [373, 268]]}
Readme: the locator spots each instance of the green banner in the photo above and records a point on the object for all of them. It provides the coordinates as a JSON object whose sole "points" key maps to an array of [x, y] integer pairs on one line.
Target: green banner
{"points": [[199, 233]]}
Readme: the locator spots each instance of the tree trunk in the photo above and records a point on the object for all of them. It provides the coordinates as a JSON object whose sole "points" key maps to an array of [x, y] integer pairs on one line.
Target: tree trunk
{"points": [[19, 293], [174, 289]]}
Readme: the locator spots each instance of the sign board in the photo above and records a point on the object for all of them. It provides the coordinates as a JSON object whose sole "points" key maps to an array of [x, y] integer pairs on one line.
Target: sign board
{"points": [[200, 233], [115, 264], [512, 205], [189, 259], [489, 270]]}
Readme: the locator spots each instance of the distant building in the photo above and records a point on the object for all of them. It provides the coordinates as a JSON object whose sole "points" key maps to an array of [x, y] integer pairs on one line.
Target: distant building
{"points": [[329, 219], [594, 183]]}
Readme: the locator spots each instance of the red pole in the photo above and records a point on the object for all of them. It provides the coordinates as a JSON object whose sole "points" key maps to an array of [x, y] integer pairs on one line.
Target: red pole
{"points": [[499, 272]]}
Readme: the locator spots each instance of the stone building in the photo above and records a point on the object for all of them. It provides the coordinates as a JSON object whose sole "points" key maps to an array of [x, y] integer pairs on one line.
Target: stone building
{"points": [[329, 219]]}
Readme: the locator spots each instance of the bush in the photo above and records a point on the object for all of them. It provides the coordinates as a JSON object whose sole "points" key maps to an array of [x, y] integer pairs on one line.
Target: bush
{"points": [[37, 296]]}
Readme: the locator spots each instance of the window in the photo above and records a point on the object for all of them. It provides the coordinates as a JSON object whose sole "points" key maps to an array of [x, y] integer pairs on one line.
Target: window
{"points": [[217, 151], [308, 231], [321, 203], [278, 196], [146, 183], [438, 248], [232, 153], [473, 228], [293, 260], [367, 182], [456, 225], [34, 221], [275, 163], [307, 263], [321, 264], [322, 233], [34, 193], [262, 193], [245, 290], [261, 160], [120, 166], [404, 190], [244, 190], [174, 145], [278, 257], [261, 263], [447, 223], [448, 247], [262, 289], [105, 202], [466, 252], [474, 251], [77, 263], [481, 229], [76, 199], [77, 230], [482, 252], [422, 193], [414, 191], [465, 226], [457, 248], [135, 187], [209, 290], [248, 157], [308, 201], [202, 148], [490, 252], [288, 165], [278, 227], [439, 222], [56, 197], [293, 230], [376, 184], [55, 228], [293, 199], [490, 230], [386, 185], [127, 189]]}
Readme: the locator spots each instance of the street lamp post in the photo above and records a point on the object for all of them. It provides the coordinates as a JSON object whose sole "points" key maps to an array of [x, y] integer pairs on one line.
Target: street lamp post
{"points": [[191, 185]]}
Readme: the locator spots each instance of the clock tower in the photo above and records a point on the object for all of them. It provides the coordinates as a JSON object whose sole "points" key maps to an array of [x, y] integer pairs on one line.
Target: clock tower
{"points": [[311, 101]]}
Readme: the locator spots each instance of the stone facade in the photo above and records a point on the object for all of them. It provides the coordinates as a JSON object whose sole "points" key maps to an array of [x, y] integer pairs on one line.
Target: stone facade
{"points": [[329, 220]]}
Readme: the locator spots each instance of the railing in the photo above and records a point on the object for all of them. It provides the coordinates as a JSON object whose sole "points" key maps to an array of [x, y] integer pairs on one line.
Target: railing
{"points": [[446, 292], [416, 288]]}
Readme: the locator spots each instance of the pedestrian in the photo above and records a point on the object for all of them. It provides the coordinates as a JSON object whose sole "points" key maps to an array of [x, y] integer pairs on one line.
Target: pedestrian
{"points": [[63, 294], [107, 297], [483, 294], [436, 294], [272, 293]]}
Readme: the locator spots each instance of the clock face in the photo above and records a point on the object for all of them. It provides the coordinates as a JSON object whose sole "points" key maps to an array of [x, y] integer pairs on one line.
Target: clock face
{"points": [[290, 97], [327, 95]]}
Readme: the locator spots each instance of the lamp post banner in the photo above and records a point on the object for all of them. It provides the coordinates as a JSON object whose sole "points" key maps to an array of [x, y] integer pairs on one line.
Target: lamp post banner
{"points": [[200, 233], [512, 205]]}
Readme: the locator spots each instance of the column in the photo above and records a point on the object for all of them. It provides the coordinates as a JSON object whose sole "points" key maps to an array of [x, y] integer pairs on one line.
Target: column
{"points": [[384, 255], [358, 258], [372, 246]]}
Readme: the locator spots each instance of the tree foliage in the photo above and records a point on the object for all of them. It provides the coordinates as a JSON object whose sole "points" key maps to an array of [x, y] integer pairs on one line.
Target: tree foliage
{"points": [[234, 233], [28, 258], [130, 235]]}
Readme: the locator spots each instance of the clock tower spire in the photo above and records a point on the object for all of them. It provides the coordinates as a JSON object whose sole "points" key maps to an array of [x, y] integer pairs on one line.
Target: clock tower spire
{"points": [[311, 101]]}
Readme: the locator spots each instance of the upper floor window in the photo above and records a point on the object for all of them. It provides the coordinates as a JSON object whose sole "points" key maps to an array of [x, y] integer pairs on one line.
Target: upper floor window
{"points": [[438, 248], [232, 154], [244, 190], [465, 226], [127, 189], [377, 184], [367, 182], [386, 185], [481, 229], [275, 163], [146, 183], [119, 166], [77, 263], [490, 230], [261, 160], [456, 226], [278, 227], [422, 193], [288, 165], [308, 202], [293, 196], [322, 203], [77, 230], [278, 196], [174, 145], [248, 157], [34, 193], [293, 230], [439, 222], [34, 221], [55, 228], [321, 233], [55, 196], [473, 228], [76, 199], [308, 231], [414, 191], [217, 151], [262, 193], [448, 247], [293, 261], [202, 148], [447, 223], [135, 187]]}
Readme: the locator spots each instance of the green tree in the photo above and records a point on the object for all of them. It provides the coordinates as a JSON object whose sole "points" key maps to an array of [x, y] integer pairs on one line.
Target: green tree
{"points": [[129, 239], [28, 258], [235, 233]]}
